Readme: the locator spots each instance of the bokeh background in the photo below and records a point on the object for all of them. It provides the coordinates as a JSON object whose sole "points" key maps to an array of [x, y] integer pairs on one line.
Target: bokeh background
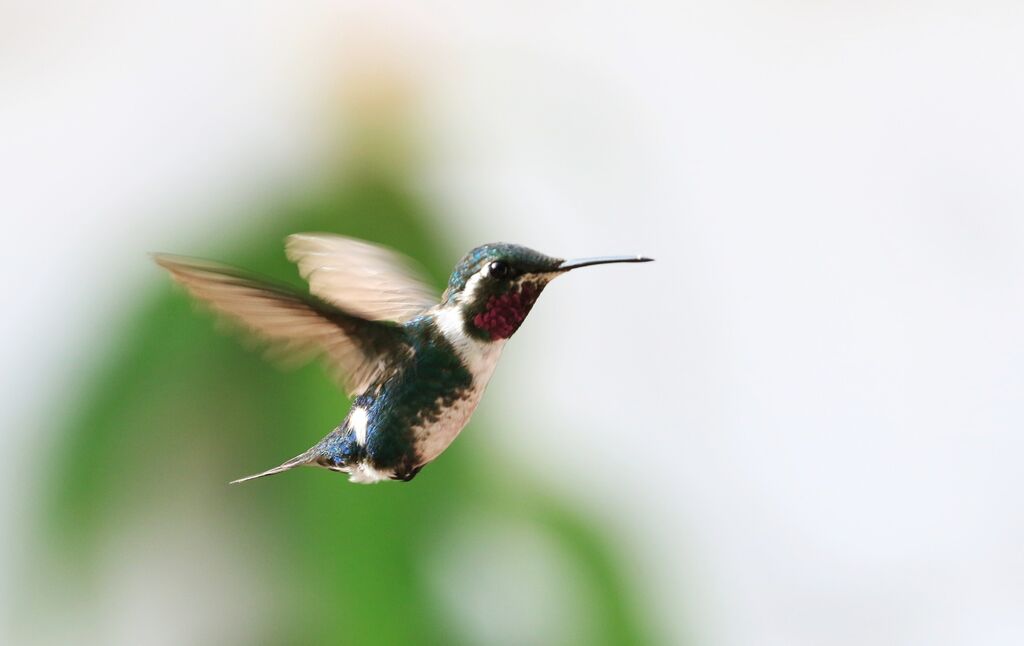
{"points": [[801, 425]]}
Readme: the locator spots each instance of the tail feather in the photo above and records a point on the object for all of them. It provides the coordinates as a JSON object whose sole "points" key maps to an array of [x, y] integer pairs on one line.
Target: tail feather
{"points": [[306, 458]]}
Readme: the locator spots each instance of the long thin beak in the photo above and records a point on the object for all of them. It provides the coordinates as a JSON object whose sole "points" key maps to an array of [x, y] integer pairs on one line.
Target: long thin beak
{"points": [[604, 260]]}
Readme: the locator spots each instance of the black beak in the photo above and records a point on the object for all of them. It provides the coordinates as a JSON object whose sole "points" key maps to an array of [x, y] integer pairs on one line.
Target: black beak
{"points": [[586, 262]]}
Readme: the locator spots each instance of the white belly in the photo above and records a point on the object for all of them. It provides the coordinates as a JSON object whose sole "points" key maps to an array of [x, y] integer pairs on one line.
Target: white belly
{"points": [[435, 437]]}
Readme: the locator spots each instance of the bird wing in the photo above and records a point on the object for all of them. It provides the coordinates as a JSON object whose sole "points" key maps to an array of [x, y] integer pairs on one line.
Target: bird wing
{"points": [[364, 279], [298, 326]]}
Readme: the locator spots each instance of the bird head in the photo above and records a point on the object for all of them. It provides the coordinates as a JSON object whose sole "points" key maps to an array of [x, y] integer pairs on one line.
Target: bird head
{"points": [[495, 285]]}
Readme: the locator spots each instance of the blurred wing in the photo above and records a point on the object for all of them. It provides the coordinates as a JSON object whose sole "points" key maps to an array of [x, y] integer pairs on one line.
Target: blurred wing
{"points": [[297, 325], [361, 278]]}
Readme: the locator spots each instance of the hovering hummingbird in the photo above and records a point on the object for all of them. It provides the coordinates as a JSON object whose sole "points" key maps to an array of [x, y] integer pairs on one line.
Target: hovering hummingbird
{"points": [[415, 365]]}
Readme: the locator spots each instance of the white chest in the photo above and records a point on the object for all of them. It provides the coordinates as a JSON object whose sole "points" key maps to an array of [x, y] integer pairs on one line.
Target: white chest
{"points": [[480, 358]]}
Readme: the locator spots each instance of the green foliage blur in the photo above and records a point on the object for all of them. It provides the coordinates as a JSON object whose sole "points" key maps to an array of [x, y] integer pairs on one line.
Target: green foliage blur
{"points": [[180, 407]]}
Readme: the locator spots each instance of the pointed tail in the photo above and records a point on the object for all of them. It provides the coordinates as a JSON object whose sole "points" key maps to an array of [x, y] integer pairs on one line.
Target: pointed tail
{"points": [[299, 460]]}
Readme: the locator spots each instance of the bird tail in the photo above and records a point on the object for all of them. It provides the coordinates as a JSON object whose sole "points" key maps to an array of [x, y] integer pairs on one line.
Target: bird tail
{"points": [[299, 460]]}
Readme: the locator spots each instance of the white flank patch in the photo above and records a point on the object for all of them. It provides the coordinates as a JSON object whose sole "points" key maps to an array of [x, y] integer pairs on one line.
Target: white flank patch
{"points": [[363, 473], [357, 420]]}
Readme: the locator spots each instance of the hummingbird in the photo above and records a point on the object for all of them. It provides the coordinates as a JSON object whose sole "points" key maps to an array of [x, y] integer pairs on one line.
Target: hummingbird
{"points": [[414, 364]]}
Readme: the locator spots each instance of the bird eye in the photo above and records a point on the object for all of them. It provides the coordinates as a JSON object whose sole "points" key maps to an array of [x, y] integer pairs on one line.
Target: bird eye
{"points": [[499, 269]]}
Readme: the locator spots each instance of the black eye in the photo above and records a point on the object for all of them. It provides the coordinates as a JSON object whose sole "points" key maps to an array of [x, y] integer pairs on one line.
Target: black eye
{"points": [[499, 269]]}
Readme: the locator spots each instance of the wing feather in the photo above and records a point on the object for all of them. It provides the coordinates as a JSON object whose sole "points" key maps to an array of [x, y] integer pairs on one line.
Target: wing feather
{"points": [[370, 281], [297, 326]]}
